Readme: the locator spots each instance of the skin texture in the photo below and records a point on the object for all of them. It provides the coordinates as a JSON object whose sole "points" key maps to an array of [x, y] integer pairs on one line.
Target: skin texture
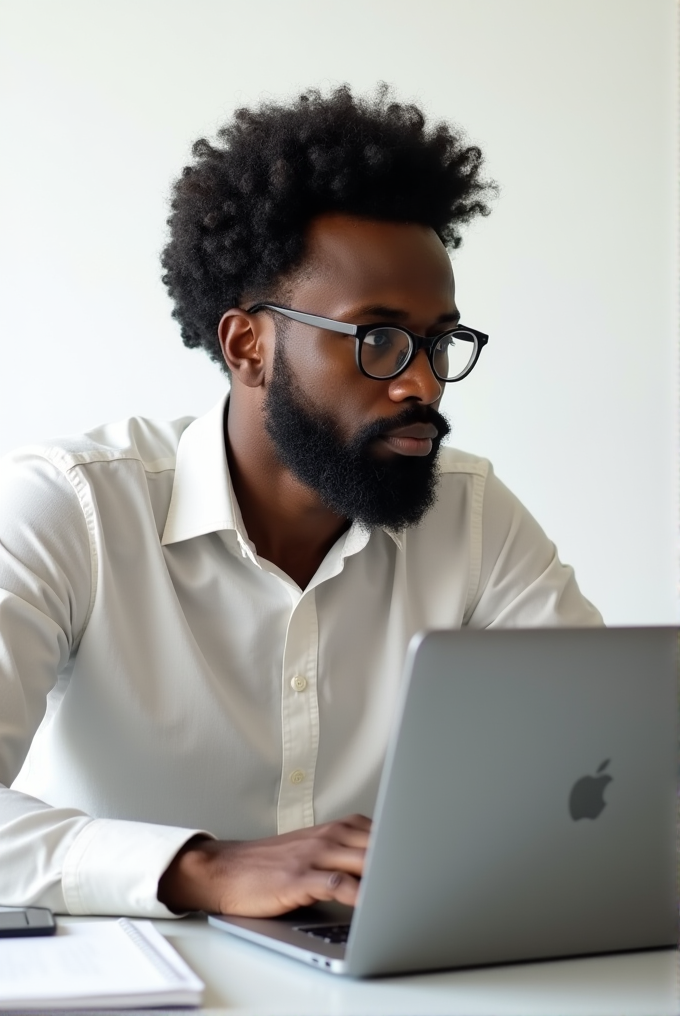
{"points": [[351, 265]]}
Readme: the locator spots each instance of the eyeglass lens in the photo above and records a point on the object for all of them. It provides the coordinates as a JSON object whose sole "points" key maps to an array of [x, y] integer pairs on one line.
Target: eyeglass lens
{"points": [[385, 350]]}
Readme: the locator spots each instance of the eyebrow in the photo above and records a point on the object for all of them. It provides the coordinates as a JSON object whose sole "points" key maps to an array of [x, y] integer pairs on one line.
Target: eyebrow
{"points": [[394, 314]]}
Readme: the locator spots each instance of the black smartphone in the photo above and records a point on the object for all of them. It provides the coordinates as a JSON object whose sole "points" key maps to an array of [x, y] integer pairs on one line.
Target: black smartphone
{"points": [[26, 921]]}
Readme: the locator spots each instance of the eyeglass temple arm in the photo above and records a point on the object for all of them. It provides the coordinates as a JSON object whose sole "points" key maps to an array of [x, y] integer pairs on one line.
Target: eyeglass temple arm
{"points": [[308, 319]]}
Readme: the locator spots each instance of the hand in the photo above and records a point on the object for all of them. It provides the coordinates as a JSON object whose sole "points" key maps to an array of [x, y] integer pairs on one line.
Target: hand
{"points": [[264, 878]]}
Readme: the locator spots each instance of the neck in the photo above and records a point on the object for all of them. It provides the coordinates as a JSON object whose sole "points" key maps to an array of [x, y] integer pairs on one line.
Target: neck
{"points": [[283, 518]]}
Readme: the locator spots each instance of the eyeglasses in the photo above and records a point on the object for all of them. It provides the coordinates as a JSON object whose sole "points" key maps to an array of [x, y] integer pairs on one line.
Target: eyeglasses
{"points": [[385, 351]]}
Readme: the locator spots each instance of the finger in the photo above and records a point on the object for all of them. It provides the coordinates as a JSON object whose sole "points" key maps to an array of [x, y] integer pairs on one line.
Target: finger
{"points": [[352, 831], [334, 885], [358, 822], [344, 859], [349, 836]]}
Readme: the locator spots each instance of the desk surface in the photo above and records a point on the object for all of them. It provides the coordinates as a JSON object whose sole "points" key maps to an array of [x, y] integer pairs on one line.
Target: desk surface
{"points": [[246, 980]]}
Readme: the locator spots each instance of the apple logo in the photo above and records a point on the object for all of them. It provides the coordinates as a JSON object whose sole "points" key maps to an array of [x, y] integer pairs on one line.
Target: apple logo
{"points": [[586, 799]]}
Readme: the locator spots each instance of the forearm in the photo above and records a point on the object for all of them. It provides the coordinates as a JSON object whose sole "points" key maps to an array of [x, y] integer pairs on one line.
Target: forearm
{"points": [[34, 841], [72, 863]]}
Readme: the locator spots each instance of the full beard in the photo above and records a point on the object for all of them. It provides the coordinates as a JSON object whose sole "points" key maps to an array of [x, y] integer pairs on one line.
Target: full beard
{"points": [[348, 477]]}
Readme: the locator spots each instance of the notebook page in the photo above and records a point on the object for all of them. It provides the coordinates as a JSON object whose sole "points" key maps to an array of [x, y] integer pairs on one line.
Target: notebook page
{"points": [[91, 960]]}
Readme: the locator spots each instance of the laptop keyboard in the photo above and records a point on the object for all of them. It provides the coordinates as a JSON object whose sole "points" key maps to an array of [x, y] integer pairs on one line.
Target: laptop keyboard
{"points": [[335, 934]]}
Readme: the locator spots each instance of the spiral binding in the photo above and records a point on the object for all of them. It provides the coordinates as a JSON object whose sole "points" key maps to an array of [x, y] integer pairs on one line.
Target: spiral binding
{"points": [[161, 963]]}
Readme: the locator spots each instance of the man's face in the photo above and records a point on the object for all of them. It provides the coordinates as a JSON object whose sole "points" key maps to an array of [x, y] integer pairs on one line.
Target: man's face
{"points": [[368, 448]]}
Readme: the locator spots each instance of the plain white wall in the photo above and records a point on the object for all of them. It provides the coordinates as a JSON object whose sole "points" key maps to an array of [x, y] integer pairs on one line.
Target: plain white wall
{"points": [[573, 275]]}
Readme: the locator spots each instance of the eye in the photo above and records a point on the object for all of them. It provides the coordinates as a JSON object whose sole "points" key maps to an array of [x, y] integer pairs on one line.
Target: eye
{"points": [[380, 338], [384, 351]]}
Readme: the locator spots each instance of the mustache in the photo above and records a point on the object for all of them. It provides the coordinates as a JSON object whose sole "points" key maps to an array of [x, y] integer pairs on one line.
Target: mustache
{"points": [[408, 416]]}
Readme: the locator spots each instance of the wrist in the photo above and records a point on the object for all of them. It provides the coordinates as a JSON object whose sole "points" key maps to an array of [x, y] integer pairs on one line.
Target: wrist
{"points": [[185, 883]]}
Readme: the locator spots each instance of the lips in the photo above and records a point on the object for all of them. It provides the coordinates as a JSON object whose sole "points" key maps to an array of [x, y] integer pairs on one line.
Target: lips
{"points": [[413, 440], [421, 431]]}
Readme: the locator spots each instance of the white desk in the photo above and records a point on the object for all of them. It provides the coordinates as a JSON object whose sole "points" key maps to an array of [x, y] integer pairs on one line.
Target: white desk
{"points": [[246, 980]]}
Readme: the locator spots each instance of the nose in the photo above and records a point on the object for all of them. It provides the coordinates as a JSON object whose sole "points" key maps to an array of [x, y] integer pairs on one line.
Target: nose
{"points": [[417, 382]]}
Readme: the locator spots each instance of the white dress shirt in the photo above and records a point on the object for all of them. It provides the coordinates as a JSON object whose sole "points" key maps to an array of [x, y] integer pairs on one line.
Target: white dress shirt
{"points": [[158, 678]]}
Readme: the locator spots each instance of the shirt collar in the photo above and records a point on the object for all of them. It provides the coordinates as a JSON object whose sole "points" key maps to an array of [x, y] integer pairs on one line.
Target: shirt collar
{"points": [[203, 499]]}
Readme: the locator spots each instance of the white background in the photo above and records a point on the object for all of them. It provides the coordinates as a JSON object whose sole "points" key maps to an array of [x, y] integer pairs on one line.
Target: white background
{"points": [[573, 275]]}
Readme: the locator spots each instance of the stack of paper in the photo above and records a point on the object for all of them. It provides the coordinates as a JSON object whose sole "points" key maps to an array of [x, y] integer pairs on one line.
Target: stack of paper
{"points": [[101, 964]]}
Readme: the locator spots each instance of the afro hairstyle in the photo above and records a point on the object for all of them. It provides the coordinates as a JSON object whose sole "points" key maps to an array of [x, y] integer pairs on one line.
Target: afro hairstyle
{"points": [[239, 211]]}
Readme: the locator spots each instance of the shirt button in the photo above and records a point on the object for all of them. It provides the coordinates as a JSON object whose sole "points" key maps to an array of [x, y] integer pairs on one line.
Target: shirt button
{"points": [[297, 776], [298, 683]]}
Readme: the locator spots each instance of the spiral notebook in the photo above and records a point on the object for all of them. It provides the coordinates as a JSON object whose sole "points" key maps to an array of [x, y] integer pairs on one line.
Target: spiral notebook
{"points": [[101, 964]]}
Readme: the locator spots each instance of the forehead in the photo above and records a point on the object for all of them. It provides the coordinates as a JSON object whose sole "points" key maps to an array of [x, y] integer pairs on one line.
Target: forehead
{"points": [[359, 260]]}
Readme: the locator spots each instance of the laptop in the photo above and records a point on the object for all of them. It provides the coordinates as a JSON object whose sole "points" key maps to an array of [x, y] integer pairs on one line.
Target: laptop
{"points": [[527, 809]]}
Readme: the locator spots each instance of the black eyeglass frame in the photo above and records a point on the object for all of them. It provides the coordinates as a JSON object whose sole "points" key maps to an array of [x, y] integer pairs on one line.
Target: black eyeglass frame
{"points": [[359, 332]]}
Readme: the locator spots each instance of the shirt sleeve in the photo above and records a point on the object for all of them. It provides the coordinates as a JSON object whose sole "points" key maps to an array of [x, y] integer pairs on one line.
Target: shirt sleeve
{"points": [[57, 857], [522, 582]]}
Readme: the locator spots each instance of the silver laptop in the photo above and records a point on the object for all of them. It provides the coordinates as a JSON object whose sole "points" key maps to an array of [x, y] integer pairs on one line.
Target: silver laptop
{"points": [[527, 809]]}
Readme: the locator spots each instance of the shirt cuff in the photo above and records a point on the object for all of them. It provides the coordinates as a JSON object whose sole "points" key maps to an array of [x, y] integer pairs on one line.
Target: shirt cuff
{"points": [[113, 867]]}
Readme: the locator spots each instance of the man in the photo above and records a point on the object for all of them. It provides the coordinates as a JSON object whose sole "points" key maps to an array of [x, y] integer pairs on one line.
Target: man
{"points": [[205, 621]]}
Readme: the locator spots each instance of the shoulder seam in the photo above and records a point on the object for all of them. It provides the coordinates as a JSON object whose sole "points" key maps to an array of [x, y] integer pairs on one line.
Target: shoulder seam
{"points": [[480, 468], [87, 508], [471, 465], [66, 461]]}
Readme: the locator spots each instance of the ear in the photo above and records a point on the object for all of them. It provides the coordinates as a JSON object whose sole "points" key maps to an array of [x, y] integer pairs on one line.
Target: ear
{"points": [[242, 338]]}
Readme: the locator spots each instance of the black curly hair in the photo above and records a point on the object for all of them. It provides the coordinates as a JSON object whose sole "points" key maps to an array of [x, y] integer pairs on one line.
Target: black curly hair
{"points": [[240, 210]]}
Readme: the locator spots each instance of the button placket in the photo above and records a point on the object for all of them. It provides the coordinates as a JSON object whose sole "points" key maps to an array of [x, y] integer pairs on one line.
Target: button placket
{"points": [[299, 717]]}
